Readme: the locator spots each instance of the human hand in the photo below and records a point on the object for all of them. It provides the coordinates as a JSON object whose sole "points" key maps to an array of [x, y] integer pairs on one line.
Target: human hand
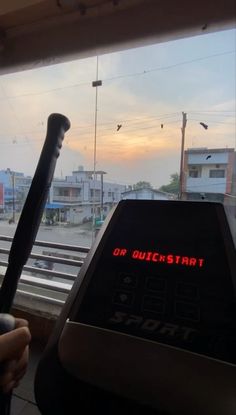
{"points": [[14, 354]]}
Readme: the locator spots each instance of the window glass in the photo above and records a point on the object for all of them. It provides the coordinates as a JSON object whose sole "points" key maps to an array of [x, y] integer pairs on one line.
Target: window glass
{"points": [[194, 171], [126, 137], [217, 173]]}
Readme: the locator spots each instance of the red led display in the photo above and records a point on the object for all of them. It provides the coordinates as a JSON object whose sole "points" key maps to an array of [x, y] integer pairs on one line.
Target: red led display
{"points": [[154, 256]]}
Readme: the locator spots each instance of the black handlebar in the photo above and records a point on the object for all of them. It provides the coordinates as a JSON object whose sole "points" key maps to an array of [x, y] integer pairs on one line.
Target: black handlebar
{"points": [[28, 225], [32, 212]]}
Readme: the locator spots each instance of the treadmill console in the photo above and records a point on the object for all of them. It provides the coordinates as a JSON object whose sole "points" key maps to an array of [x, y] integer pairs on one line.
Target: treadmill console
{"points": [[151, 315], [164, 274]]}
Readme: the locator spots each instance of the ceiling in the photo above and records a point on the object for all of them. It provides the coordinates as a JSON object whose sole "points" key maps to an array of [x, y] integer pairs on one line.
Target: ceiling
{"points": [[42, 32]]}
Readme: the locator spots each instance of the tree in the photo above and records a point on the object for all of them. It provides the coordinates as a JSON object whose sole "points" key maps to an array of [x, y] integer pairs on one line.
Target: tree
{"points": [[173, 186], [142, 185]]}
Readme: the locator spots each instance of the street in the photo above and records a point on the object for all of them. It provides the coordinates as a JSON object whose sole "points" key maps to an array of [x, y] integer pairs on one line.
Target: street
{"points": [[76, 235], [73, 235]]}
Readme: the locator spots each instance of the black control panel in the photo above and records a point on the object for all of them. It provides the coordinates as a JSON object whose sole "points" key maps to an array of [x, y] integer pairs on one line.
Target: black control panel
{"points": [[165, 274]]}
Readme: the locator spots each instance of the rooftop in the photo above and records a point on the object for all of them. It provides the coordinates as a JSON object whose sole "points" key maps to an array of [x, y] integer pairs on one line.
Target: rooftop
{"points": [[201, 150]]}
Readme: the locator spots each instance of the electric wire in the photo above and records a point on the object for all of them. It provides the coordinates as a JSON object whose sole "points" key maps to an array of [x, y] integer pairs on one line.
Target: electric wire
{"points": [[134, 74]]}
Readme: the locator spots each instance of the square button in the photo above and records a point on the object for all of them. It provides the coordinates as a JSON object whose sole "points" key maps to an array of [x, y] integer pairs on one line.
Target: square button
{"points": [[154, 304], [156, 284], [189, 291], [127, 280], [123, 298], [187, 311]]}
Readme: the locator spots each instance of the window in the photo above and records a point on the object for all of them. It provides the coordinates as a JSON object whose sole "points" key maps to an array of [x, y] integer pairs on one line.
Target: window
{"points": [[140, 108], [63, 192], [95, 193], [194, 171], [219, 173]]}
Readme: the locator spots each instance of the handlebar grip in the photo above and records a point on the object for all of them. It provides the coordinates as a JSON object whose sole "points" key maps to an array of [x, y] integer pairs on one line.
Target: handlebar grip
{"points": [[32, 212], [34, 205], [7, 323]]}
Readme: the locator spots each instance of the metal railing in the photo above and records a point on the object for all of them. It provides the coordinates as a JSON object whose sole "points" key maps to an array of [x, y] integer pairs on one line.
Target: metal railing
{"points": [[43, 288]]}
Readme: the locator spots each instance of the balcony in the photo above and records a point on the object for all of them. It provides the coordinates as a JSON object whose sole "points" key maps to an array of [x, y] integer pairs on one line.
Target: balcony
{"points": [[67, 199]]}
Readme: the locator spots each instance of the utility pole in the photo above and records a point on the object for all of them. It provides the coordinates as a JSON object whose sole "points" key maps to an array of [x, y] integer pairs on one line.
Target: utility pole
{"points": [[101, 207], [181, 170], [13, 197], [12, 183], [95, 84]]}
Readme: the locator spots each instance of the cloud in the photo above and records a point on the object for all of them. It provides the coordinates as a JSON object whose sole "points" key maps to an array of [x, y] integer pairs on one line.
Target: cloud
{"points": [[141, 149]]}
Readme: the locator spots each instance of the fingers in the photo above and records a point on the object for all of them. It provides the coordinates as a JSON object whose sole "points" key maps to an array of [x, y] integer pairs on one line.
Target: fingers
{"points": [[14, 355], [21, 322], [14, 351], [18, 367], [12, 344], [14, 372]]}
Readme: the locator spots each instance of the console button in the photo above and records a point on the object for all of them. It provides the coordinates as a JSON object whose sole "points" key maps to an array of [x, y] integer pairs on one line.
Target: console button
{"points": [[123, 298], [156, 284], [187, 311], [154, 304], [186, 290], [127, 280]]}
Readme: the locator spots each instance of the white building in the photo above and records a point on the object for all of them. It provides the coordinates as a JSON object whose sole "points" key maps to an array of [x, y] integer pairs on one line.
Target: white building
{"points": [[208, 173], [146, 193], [82, 197]]}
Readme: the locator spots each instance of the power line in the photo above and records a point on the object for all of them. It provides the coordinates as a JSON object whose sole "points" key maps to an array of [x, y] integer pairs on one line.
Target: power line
{"points": [[134, 74], [134, 127], [153, 117], [130, 128], [161, 68], [131, 125], [204, 111], [126, 122], [90, 126], [48, 91], [155, 130], [213, 121]]}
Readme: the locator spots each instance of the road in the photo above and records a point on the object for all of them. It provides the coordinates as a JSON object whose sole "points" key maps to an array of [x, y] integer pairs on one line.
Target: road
{"points": [[76, 235]]}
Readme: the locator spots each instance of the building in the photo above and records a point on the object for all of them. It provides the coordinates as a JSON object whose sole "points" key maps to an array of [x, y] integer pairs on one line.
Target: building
{"points": [[146, 193], [1, 198], [209, 173], [82, 197], [76, 199], [14, 188]]}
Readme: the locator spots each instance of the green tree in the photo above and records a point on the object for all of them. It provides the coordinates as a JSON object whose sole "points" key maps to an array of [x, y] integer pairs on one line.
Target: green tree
{"points": [[142, 185], [173, 186]]}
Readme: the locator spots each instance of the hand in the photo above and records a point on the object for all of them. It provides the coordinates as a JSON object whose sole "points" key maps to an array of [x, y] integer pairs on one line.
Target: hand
{"points": [[14, 354]]}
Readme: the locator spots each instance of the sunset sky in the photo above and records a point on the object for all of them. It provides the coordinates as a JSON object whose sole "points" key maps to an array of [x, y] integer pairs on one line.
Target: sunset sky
{"points": [[142, 89]]}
